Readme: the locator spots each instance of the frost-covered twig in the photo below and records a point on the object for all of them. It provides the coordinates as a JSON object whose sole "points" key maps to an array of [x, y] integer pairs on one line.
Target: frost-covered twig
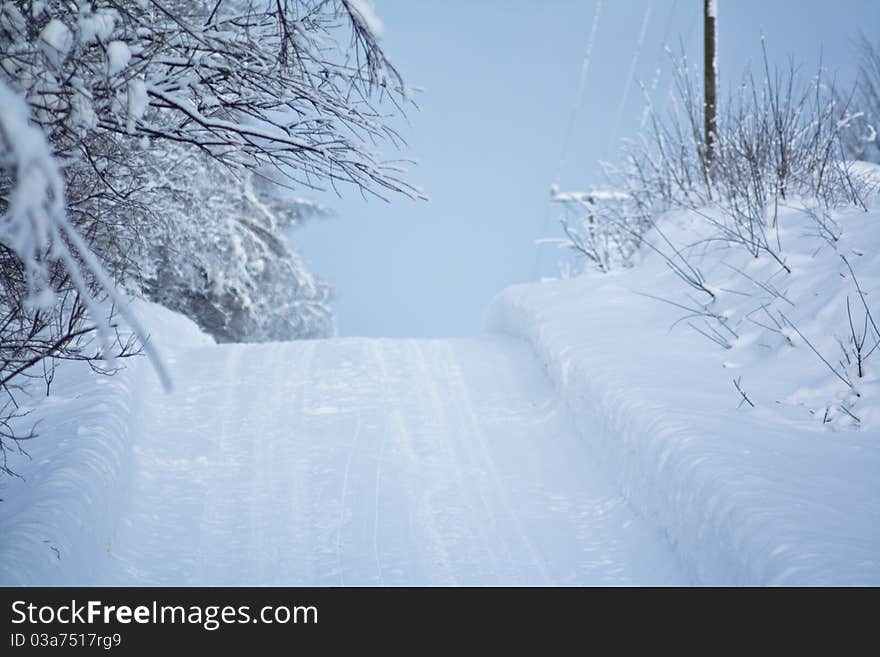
{"points": [[831, 367], [35, 227], [737, 382]]}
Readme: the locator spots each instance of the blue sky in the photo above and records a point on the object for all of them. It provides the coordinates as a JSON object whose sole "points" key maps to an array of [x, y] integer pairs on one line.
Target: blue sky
{"points": [[499, 79]]}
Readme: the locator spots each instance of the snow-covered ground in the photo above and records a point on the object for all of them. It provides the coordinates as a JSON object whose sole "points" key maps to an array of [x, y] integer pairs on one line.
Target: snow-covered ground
{"points": [[785, 492], [590, 438], [328, 462], [74, 483]]}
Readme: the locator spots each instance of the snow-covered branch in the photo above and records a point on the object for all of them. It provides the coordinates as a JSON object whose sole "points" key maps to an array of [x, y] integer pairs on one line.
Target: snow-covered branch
{"points": [[98, 100]]}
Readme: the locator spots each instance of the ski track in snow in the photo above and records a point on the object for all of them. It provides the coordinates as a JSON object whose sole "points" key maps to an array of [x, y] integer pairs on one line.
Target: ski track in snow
{"points": [[370, 462]]}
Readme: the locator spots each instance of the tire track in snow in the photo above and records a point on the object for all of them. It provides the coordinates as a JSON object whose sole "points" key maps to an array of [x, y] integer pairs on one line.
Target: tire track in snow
{"points": [[376, 511], [436, 409], [263, 497], [344, 496], [250, 433], [444, 359], [457, 375], [275, 511], [377, 356], [422, 475], [215, 503], [295, 481]]}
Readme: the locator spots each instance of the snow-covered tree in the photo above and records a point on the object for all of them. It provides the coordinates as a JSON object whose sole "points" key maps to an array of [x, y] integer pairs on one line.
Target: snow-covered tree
{"points": [[212, 246], [97, 99]]}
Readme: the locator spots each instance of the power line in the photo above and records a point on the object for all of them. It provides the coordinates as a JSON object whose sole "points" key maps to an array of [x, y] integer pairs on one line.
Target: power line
{"points": [[658, 72], [629, 78], [569, 129], [685, 45], [579, 96]]}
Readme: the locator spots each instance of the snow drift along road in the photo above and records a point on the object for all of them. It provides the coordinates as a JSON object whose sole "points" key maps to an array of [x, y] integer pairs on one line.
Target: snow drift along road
{"points": [[369, 462]]}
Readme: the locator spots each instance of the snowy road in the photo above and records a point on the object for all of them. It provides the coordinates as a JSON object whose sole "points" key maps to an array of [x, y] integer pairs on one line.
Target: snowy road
{"points": [[372, 462]]}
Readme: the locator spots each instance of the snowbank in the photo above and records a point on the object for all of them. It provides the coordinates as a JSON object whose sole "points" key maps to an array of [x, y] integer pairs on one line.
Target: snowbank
{"points": [[784, 492], [65, 508]]}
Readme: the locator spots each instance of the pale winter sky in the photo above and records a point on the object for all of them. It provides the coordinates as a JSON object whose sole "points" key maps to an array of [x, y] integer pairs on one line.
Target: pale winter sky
{"points": [[499, 79]]}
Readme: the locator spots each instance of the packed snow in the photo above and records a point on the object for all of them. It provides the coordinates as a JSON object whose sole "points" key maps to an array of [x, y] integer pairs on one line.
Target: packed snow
{"points": [[323, 462]]}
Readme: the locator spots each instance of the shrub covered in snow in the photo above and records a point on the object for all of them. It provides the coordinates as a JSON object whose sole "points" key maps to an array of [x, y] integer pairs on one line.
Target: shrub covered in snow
{"points": [[773, 190], [779, 137]]}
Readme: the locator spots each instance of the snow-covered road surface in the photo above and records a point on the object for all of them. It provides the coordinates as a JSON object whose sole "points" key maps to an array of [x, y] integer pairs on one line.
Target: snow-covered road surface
{"points": [[371, 462]]}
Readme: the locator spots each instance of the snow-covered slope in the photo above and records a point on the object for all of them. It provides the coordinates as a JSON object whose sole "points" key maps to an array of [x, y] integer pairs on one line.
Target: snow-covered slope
{"points": [[785, 492], [75, 480]]}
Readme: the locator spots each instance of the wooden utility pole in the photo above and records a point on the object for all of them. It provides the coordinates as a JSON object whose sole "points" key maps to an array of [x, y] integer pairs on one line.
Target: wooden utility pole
{"points": [[710, 11]]}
